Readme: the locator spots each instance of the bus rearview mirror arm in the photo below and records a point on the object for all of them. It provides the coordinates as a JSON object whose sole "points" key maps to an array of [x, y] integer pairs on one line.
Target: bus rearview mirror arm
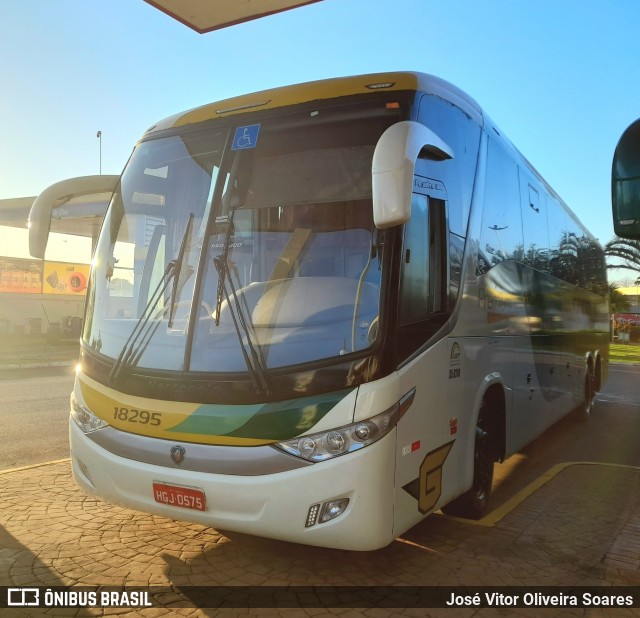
{"points": [[55, 196], [393, 168]]}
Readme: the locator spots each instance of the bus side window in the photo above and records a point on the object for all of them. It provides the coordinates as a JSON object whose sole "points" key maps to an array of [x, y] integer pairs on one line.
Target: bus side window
{"points": [[437, 257], [535, 227], [414, 283], [424, 275], [501, 233]]}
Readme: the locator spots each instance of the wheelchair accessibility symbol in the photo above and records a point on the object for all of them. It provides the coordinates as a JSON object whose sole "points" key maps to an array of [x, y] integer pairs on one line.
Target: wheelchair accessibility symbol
{"points": [[246, 137]]}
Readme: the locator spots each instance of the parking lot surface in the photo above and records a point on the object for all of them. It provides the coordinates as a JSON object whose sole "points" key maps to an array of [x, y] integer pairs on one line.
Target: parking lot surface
{"points": [[566, 513]]}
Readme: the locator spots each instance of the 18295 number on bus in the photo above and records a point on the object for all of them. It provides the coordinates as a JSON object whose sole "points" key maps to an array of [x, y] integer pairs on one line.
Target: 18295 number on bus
{"points": [[131, 415]]}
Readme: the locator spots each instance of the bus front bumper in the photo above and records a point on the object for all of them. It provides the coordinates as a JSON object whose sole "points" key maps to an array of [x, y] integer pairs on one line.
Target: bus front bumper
{"points": [[272, 505]]}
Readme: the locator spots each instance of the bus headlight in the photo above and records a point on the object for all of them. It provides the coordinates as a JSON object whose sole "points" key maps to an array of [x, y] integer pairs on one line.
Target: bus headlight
{"points": [[85, 418], [328, 444]]}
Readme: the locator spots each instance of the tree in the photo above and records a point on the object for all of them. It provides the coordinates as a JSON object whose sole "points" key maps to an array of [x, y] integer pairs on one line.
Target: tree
{"points": [[580, 260], [618, 302], [626, 251]]}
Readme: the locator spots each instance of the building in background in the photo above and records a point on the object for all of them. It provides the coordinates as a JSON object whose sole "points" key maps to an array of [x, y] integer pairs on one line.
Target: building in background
{"points": [[41, 296], [626, 326]]}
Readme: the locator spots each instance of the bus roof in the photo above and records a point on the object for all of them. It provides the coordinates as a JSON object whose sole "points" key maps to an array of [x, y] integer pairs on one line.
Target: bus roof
{"points": [[348, 86], [321, 90]]}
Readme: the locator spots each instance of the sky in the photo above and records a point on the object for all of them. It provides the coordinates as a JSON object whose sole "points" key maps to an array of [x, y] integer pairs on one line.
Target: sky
{"points": [[559, 77]]}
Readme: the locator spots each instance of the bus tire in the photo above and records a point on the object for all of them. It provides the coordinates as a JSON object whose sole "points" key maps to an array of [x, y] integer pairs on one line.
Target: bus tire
{"points": [[583, 413], [473, 503], [597, 376]]}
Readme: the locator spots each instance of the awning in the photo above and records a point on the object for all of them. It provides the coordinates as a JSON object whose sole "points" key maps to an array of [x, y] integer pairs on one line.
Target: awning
{"points": [[207, 15]]}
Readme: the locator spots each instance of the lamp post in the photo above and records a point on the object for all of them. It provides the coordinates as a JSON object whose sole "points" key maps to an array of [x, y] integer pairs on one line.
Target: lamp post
{"points": [[99, 136]]}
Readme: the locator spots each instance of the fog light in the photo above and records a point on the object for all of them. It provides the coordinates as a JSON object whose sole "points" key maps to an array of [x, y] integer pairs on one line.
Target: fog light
{"points": [[319, 514], [332, 509]]}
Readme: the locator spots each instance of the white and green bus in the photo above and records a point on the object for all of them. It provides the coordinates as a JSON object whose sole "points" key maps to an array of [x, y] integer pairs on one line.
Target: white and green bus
{"points": [[319, 313]]}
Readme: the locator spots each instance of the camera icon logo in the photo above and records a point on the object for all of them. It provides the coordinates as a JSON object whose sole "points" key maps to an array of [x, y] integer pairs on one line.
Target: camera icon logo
{"points": [[23, 597]]}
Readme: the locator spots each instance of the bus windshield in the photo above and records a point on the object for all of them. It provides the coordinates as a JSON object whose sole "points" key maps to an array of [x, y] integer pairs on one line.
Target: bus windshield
{"points": [[241, 248]]}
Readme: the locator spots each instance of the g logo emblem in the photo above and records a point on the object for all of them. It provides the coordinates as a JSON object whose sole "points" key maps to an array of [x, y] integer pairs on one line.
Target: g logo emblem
{"points": [[431, 477]]}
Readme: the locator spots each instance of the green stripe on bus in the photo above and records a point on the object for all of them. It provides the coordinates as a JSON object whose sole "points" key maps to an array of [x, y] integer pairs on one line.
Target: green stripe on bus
{"points": [[273, 421]]}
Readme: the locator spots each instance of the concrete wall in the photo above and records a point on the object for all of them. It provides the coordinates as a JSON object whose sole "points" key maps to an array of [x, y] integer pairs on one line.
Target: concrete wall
{"points": [[19, 312]]}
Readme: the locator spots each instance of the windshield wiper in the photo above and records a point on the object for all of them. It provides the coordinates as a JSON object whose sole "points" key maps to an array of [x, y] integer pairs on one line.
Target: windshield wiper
{"points": [[253, 358], [178, 269], [143, 331], [129, 348], [220, 262]]}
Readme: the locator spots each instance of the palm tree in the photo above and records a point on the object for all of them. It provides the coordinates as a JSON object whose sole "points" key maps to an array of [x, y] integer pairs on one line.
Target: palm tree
{"points": [[626, 250], [618, 302]]}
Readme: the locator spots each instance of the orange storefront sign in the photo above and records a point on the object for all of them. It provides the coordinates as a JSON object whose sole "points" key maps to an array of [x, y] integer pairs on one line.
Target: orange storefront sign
{"points": [[64, 278], [19, 276]]}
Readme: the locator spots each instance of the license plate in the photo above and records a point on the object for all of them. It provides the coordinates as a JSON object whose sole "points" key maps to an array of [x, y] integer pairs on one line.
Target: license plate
{"points": [[183, 497]]}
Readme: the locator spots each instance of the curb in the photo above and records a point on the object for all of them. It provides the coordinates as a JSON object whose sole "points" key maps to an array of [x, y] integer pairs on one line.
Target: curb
{"points": [[71, 363], [32, 466], [12, 366]]}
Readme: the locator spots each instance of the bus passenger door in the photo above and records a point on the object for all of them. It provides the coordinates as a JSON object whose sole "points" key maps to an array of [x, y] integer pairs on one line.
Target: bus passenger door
{"points": [[424, 441]]}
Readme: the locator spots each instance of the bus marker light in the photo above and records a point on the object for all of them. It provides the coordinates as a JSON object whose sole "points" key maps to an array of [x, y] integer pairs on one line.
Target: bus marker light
{"points": [[312, 516], [411, 448], [240, 108], [453, 426], [380, 85], [85, 471]]}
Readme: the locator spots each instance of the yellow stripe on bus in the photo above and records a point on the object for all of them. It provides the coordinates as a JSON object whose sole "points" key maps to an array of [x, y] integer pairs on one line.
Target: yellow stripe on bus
{"points": [[301, 93], [157, 420]]}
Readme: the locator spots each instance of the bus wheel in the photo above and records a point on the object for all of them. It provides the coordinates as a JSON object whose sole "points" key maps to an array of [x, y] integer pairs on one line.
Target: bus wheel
{"points": [[597, 376], [586, 407], [473, 503]]}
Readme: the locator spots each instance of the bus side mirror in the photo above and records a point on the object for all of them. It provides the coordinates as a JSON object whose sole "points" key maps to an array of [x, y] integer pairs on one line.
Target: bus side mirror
{"points": [[625, 184], [56, 196], [393, 168]]}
